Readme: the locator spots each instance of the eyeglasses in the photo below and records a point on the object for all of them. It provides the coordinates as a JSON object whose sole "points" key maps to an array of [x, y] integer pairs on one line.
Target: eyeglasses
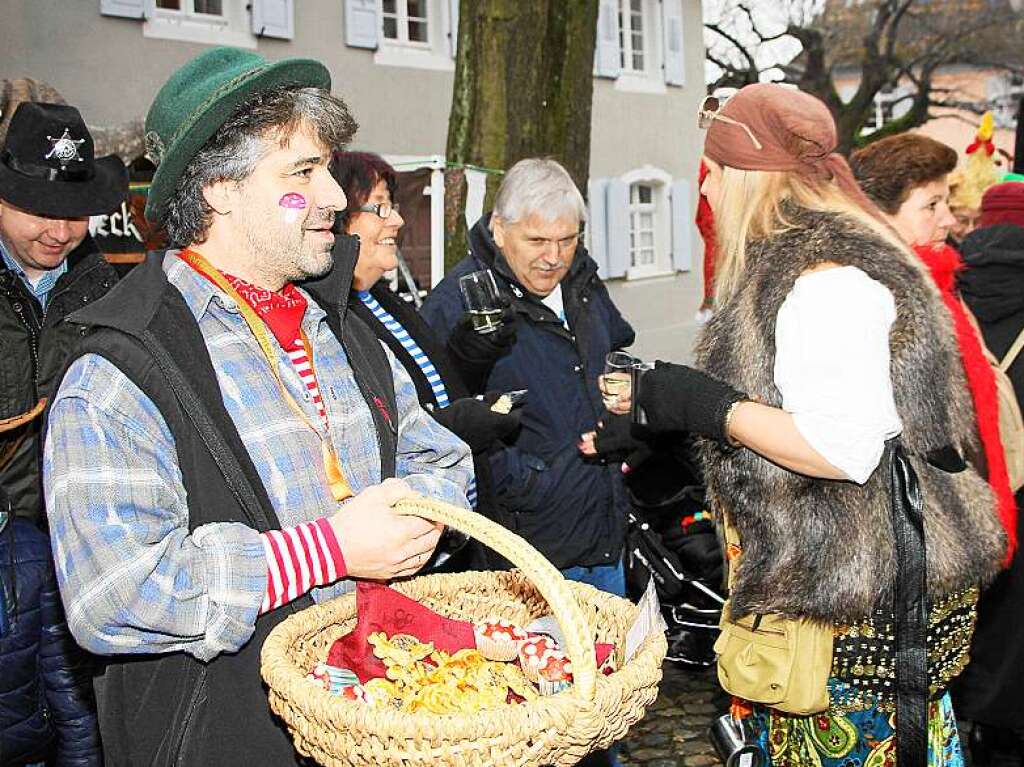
{"points": [[709, 112], [382, 209]]}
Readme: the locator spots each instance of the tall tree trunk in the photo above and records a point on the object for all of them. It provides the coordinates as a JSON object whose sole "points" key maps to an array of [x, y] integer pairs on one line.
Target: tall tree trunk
{"points": [[523, 87]]}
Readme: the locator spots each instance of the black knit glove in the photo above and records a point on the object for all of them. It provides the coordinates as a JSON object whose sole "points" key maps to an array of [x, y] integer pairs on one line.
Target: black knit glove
{"points": [[475, 353], [473, 421], [613, 440], [680, 398]]}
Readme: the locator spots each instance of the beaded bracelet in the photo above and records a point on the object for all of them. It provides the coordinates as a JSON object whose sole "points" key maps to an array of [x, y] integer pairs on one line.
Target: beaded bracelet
{"points": [[730, 411]]}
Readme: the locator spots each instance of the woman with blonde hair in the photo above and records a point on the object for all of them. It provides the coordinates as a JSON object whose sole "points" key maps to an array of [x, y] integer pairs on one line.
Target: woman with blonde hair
{"points": [[834, 418]]}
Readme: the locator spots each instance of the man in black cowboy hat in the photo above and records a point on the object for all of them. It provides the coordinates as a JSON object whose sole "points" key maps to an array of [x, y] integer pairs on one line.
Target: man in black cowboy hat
{"points": [[50, 183]]}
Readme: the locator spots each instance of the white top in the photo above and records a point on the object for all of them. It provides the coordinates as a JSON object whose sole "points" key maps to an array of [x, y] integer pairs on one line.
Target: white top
{"points": [[832, 366], [556, 303]]}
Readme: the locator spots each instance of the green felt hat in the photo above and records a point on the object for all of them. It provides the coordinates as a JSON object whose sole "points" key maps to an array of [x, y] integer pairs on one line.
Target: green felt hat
{"points": [[200, 97]]}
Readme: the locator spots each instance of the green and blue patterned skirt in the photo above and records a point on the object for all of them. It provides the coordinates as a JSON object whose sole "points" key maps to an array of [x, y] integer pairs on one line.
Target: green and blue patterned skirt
{"points": [[863, 738]]}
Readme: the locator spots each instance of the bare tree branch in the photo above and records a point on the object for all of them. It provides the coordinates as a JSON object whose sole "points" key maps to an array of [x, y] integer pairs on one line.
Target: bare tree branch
{"points": [[888, 43]]}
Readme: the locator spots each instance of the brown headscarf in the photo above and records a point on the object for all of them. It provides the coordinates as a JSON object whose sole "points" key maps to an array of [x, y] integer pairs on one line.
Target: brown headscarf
{"points": [[796, 132]]}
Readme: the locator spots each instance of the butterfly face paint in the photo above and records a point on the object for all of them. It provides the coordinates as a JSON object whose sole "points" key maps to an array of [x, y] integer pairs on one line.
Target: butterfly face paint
{"points": [[292, 203]]}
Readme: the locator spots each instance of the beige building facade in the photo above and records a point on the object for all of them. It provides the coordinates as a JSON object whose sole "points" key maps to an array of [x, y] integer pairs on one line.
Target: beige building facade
{"points": [[393, 63]]}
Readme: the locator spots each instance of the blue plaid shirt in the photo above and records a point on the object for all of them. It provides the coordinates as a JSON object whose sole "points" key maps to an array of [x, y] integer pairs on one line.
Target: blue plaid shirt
{"points": [[42, 286], [133, 579]]}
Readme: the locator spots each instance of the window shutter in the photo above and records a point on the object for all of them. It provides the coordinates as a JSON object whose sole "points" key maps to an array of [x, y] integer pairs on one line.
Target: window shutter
{"points": [[607, 53], [597, 224], [129, 9], [273, 18], [453, 27], [672, 27], [362, 24], [617, 217], [682, 226]]}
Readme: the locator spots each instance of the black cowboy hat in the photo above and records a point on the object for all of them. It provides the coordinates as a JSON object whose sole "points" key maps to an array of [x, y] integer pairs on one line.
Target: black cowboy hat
{"points": [[47, 165]]}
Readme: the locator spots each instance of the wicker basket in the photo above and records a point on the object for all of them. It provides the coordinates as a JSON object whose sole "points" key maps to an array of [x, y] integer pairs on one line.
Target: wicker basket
{"points": [[555, 730]]}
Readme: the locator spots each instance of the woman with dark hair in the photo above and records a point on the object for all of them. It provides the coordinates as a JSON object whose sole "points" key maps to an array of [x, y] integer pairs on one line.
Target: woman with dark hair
{"points": [[907, 177], [834, 424], [445, 381]]}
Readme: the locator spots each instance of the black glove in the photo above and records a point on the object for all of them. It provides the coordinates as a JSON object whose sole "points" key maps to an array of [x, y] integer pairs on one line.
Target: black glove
{"points": [[680, 398], [613, 440], [475, 353], [473, 421]]}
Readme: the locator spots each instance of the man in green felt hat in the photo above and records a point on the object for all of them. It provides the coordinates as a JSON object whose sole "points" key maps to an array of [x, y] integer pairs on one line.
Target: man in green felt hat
{"points": [[228, 444]]}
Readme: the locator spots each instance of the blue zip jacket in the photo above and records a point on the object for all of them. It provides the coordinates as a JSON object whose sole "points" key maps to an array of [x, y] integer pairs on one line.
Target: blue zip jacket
{"points": [[570, 508], [47, 709]]}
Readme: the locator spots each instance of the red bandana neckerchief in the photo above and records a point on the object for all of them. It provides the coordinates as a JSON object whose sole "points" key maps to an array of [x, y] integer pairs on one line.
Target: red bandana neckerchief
{"points": [[944, 262], [281, 311]]}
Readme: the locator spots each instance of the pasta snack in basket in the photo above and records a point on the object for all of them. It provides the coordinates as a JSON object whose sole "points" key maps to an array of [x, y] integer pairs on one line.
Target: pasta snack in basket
{"points": [[553, 731]]}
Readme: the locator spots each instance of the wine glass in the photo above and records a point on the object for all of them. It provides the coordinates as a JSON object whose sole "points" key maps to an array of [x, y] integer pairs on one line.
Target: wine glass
{"points": [[480, 297], [617, 377]]}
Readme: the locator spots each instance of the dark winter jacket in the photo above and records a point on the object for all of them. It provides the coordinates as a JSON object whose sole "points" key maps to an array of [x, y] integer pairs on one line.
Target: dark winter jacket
{"points": [[572, 509], [34, 345], [992, 284], [47, 709], [172, 710]]}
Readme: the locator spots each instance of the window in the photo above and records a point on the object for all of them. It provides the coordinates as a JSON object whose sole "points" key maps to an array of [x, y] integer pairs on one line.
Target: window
{"points": [[640, 44], [193, 7], [631, 35], [1007, 91], [404, 33], [406, 22], [642, 210], [891, 103], [214, 22]]}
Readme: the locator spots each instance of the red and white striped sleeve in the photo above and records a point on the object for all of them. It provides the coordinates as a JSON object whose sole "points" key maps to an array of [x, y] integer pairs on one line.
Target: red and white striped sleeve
{"points": [[298, 559]]}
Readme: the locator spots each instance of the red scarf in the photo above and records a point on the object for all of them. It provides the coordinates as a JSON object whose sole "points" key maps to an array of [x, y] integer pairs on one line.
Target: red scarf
{"points": [[281, 311], [944, 262]]}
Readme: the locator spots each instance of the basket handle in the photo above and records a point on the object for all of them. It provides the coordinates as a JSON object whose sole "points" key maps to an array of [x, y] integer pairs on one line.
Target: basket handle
{"points": [[544, 575]]}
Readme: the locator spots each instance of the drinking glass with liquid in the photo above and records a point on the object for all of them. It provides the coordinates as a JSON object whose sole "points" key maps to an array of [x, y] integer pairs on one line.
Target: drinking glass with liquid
{"points": [[617, 377], [480, 297]]}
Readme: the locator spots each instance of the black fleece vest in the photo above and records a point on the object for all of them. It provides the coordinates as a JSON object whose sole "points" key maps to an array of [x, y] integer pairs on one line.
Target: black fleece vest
{"points": [[172, 709], [825, 549]]}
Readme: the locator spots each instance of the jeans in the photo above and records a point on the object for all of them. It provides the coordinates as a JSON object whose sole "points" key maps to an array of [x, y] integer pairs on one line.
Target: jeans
{"points": [[610, 578]]}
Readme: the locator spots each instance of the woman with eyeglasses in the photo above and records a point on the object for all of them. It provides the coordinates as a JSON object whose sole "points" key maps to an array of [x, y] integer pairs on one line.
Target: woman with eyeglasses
{"points": [[834, 416], [372, 215]]}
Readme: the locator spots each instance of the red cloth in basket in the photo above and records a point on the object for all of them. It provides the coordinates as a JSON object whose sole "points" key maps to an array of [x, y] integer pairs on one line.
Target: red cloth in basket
{"points": [[380, 608]]}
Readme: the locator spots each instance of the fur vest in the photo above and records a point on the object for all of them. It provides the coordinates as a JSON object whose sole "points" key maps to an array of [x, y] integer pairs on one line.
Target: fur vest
{"points": [[824, 549]]}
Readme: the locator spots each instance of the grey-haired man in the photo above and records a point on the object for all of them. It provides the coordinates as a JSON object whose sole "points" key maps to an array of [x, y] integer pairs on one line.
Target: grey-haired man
{"points": [[571, 508]]}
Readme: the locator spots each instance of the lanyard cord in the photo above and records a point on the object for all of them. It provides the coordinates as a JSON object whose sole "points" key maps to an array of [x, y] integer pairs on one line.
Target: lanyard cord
{"points": [[339, 486]]}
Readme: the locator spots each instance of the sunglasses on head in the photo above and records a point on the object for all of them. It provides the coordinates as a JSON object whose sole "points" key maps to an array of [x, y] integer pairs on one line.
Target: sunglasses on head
{"points": [[709, 112]]}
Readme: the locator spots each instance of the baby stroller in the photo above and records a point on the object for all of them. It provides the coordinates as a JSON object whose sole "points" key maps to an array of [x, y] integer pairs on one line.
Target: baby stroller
{"points": [[671, 538]]}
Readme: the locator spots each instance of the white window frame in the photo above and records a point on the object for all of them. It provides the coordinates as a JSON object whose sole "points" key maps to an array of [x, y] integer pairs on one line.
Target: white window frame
{"points": [[402, 23], [660, 182], [651, 78], [433, 54], [888, 99], [1005, 104], [232, 28], [626, 51]]}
